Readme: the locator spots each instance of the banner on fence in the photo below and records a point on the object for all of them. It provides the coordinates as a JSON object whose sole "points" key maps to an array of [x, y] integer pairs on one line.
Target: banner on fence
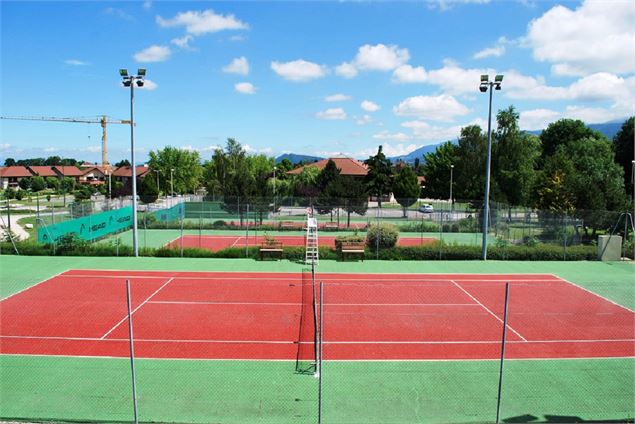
{"points": [[174, 213], [89, 227]]}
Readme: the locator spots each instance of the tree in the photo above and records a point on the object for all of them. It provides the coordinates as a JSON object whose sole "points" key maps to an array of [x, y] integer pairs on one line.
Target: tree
{"points": [[624, 156], [124, 162], [469, 171], [284, 166], [53, 183], [148, 190], [514, 159], [562, 132], [355, 196], [67, 184], [53, 160], [436, 170], [379, 177], [330, 190], [38, 183], [406, 188], [261, 195], [304, 183], [25, 183], [9, 162], [187, 174]]}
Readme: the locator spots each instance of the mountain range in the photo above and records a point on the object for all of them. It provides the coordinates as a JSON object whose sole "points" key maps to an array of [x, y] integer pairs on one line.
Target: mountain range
{"points": [[609, 129]]}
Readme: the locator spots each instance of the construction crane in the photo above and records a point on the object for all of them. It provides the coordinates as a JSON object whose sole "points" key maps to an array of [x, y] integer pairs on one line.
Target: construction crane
{"points": [[103, 121]]}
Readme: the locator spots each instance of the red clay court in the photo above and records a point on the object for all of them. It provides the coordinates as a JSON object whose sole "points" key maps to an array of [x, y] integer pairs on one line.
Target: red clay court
{"points": [[225, 315], [216, 242]]}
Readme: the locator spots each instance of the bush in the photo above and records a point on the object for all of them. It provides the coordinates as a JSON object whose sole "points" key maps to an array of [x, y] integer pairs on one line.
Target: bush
{"points": [[382, 235], [354, 239]]}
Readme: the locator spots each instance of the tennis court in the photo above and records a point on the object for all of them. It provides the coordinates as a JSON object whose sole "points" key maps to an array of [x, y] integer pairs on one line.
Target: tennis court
{"points": [[218, 242], [269, 316]]}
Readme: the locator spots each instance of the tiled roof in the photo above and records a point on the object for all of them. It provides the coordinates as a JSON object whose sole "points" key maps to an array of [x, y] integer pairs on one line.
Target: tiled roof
{"points": [[69, 171], [93, 168], [15, 171], [43, 171], [126, 171], [347, 166]]}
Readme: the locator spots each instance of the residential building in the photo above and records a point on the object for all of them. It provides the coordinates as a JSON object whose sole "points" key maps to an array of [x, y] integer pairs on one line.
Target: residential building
{"points": [[10, 176]]}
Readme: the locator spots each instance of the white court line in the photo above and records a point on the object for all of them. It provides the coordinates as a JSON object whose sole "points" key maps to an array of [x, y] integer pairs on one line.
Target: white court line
{"points": [[329, 281], [237, 240], [593, 293], [341, 342], [136, 309], [185, 302], [487, 309], [126, 358]]}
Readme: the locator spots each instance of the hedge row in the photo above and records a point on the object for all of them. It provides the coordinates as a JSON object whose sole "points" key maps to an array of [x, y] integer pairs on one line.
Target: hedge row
{"points": [[439, 251]]}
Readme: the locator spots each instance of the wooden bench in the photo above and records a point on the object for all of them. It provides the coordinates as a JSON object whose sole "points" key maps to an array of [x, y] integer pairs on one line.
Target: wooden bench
{"points": [[352, 247], [271, 248], [288, 225], [331, 226]]}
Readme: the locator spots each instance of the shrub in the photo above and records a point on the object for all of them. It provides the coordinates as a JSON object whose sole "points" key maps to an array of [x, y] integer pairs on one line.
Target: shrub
{"points": [[382, 235], [354, 239]]}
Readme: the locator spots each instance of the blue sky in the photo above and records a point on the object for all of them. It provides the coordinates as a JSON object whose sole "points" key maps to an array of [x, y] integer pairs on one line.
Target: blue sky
{"points": [[306, 77]]}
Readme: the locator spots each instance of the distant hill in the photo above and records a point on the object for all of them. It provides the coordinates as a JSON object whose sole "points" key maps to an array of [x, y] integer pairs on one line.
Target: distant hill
{"points": [[295, 158], [410, 157], [609, 129]]}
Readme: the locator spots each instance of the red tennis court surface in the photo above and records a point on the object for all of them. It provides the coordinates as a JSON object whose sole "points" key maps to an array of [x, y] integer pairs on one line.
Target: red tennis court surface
{"points": [[225, 315], [214, 242]]}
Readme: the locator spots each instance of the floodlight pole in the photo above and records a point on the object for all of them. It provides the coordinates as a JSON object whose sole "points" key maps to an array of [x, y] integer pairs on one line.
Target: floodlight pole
{"points": [[485, 85], [129, 81], [451, 181], [487, 177]]}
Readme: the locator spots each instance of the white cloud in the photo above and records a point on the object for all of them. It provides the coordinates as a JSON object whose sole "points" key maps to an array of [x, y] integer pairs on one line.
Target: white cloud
{"points": [[380, 57], [331, 114], [182, 42], [148, 85], [237, 38], [496, 51], [363, 120], [5, 147], [147, 4], [369, 106], [339, 97], [237, 66], [422, 130], [592, 115], [211, 148], [299, 70], [90, 149], [389, 150], [537, 119], [250, 149], [386, 135], [436, 108], [346, 70], [245, 88], [407, 74], [75, 62], [153, 53], [444, 5], [198, 23], [118, 13], [596, 36]]}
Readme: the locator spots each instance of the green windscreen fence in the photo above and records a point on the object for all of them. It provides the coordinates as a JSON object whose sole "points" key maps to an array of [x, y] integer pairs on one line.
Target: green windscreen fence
{"points": [[174, 213], [89, 227]]}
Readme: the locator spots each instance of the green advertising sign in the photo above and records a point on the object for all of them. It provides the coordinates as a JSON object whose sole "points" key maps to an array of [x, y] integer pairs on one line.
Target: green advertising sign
{"points": [[89, 227], [174, 213]]}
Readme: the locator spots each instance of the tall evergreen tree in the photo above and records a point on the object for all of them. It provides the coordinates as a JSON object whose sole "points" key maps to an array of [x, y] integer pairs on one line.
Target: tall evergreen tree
{"points": [[379, 177], [406, 188]]}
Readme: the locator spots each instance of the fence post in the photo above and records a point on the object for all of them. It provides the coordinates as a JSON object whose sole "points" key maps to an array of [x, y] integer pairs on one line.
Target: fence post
{"points": [[132, 367], [320, 352], [500, 378]]}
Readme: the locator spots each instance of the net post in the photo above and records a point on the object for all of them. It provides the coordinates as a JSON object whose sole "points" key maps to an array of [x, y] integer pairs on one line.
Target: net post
{"points": [[132, 366], [500, 378], [316, 323]]}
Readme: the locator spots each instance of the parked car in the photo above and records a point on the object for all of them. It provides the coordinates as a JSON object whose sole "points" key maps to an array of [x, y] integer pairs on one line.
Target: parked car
{"points": [[426, 209]]}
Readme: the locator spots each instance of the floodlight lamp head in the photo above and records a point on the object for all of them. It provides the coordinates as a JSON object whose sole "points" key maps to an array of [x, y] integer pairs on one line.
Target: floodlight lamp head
{"points": [[497, 86], [498, 79], [483, 88], [139, 83], [127, 82], [141, 72], [484, 78], [123, 72]]}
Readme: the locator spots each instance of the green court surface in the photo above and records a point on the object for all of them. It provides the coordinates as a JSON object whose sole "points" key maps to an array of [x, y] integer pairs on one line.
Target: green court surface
{"points": [[204, 391]]}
